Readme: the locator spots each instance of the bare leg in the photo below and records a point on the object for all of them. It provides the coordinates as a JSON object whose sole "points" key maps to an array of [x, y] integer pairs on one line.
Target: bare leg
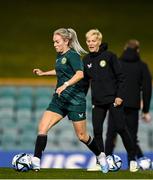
{"points": [[49, 119]]}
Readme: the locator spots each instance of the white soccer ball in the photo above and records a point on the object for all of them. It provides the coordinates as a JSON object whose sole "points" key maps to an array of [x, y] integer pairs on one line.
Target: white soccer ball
{"points": [[144, 163], [21, 162], [114, 162]]}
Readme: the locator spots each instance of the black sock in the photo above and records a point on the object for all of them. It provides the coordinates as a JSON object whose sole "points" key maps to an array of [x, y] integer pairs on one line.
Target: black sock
{"points": [[92, 145], [40, 145]]}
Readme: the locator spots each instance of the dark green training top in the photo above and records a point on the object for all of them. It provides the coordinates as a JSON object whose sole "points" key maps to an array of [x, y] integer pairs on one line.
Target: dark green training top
{"points": [[66, 66]]}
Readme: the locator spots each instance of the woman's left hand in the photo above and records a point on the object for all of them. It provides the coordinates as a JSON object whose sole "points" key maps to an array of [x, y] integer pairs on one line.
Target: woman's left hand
{"points": [[60, 89], [118, 101]]}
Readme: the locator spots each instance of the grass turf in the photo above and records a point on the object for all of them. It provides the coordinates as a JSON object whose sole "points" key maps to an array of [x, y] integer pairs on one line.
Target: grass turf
{"points": [[8, 173]]}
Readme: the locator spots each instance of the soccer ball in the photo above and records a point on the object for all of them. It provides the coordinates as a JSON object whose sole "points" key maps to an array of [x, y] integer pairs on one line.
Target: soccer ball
{"points": [[21, 162], [144, 163], [114, 162]]}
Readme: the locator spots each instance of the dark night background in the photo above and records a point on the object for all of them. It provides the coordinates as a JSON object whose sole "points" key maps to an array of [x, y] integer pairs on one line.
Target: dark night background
{"points": [[26, 28]]}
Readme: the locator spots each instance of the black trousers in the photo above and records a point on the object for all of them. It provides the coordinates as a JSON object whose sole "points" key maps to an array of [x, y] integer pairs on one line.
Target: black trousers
{"points": [[117, 125], [132, 123]]}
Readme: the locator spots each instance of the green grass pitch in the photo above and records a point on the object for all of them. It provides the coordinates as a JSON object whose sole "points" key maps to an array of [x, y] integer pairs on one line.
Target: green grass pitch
{"points": [[8, 173]]}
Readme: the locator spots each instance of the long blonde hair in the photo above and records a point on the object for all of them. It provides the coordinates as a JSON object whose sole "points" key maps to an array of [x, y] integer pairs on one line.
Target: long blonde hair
{"points": [[71, 35]]}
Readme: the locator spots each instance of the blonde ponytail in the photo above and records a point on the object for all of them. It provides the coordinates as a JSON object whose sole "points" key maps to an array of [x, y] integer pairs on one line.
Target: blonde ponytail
{"points": [[74, 43], [71, 35]]}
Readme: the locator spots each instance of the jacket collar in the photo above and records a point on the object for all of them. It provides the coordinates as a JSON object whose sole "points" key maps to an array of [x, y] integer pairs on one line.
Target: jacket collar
{"points": [[103, 47], [130, 55]]}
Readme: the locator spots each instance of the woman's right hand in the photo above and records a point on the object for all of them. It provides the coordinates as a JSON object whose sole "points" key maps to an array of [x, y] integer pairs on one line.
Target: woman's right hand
{"points": [[39, 72]]}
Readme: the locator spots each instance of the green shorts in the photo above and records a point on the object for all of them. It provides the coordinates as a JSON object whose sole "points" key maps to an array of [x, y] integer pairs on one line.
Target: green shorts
{"points": [[74, 113]]}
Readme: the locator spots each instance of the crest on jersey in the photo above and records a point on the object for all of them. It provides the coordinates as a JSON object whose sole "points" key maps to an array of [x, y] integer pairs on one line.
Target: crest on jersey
{"points": [[102, 63], [63, 61]]}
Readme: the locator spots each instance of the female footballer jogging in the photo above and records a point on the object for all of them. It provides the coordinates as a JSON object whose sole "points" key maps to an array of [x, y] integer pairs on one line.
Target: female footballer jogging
{"points": [[69, 96]]}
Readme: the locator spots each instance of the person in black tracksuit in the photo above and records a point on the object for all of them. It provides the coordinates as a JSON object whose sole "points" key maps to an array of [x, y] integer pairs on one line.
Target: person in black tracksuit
{"points": [[103, 71], [138, 83]]}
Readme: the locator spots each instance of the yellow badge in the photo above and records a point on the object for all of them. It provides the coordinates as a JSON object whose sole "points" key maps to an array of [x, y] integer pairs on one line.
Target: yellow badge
{"points": [[102, 63], [63, 61]]}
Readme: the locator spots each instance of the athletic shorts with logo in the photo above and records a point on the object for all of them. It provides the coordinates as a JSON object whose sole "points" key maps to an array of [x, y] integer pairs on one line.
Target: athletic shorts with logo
{"points": [[64, 108]]}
